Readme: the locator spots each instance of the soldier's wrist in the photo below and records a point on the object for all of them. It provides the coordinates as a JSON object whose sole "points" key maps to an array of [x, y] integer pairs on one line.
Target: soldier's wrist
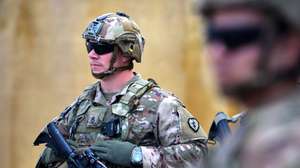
{"points": [[137, 157]]}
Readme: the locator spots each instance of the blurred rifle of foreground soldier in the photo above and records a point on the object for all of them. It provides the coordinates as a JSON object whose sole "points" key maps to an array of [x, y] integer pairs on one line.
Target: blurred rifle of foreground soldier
{"points": [[220, 128]]}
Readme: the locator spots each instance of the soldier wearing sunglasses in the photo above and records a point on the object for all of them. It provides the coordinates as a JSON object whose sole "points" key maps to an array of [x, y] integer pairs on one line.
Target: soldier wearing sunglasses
{"points": [[254, 46], [125, 120]]}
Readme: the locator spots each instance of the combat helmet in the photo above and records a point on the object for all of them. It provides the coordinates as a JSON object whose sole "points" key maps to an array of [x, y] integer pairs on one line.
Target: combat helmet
{"points": [[288, 10], [119, 30]]}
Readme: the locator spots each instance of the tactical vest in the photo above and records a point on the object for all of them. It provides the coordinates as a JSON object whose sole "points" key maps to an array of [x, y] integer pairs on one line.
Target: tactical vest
{"points": [[84, 117]]}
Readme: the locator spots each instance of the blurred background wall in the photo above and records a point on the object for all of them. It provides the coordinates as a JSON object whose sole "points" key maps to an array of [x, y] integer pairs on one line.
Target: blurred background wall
{"points": [[44, 66]]}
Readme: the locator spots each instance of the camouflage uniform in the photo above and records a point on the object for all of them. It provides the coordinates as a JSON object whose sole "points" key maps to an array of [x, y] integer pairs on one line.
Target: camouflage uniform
{"points": [[158, 122], [269, 138]]}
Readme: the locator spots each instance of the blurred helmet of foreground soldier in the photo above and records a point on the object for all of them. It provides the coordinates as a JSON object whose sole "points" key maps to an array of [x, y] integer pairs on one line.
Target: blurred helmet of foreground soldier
{"points": [[254, 46], [125, 120]]}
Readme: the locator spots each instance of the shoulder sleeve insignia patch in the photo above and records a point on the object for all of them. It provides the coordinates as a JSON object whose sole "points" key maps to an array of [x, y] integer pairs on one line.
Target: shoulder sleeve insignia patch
{"points": [[193, 124]]}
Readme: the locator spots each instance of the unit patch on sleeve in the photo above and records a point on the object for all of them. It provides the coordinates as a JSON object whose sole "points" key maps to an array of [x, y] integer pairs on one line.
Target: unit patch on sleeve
{"points": [[193, 124]]}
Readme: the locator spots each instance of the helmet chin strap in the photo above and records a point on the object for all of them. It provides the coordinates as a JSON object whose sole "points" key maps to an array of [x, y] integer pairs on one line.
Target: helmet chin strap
{"points": [[112, 70]]}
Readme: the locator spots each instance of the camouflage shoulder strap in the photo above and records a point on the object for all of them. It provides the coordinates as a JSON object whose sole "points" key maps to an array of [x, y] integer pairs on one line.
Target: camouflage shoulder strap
{"points": [[134, 92]]}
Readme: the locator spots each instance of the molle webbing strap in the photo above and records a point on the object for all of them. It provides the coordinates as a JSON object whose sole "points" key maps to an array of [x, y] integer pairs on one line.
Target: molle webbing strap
{"points": [[135, 91]]}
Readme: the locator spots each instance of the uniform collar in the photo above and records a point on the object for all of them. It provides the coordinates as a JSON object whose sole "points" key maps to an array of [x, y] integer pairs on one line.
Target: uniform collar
{"points": [[100, 99]]}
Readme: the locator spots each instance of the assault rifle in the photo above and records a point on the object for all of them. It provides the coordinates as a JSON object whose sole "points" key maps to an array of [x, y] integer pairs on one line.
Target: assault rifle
{"points": [[55, 140]]}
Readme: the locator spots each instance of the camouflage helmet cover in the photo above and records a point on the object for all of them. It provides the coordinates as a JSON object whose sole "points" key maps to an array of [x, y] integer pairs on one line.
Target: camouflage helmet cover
{"points": [[287, 9], [119, 29]]}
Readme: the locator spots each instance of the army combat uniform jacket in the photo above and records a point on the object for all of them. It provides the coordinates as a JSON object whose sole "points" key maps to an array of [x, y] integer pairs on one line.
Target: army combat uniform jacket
{"points": [[268, 138], [147, 116]]}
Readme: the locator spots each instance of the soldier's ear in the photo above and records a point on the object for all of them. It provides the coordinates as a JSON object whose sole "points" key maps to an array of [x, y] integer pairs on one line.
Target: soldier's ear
{"points": [[286, 52], [122, 59], [292, 47]]}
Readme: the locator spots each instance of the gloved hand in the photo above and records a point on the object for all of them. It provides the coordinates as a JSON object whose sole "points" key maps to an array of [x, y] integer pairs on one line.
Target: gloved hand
{"points": [[116, 152]]}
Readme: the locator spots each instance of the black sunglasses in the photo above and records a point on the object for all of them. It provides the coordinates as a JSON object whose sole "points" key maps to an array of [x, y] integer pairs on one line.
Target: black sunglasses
{"points": [[236, 37], [100, 49]]}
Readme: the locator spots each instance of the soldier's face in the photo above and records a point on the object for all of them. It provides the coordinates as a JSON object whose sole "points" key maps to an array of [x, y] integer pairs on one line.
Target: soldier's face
{"points": [[99, 62], [234, 46]]}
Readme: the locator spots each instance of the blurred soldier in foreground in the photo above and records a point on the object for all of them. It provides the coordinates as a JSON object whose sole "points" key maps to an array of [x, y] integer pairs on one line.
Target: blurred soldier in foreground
{"points": [[254, 47], [126, 121]]}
